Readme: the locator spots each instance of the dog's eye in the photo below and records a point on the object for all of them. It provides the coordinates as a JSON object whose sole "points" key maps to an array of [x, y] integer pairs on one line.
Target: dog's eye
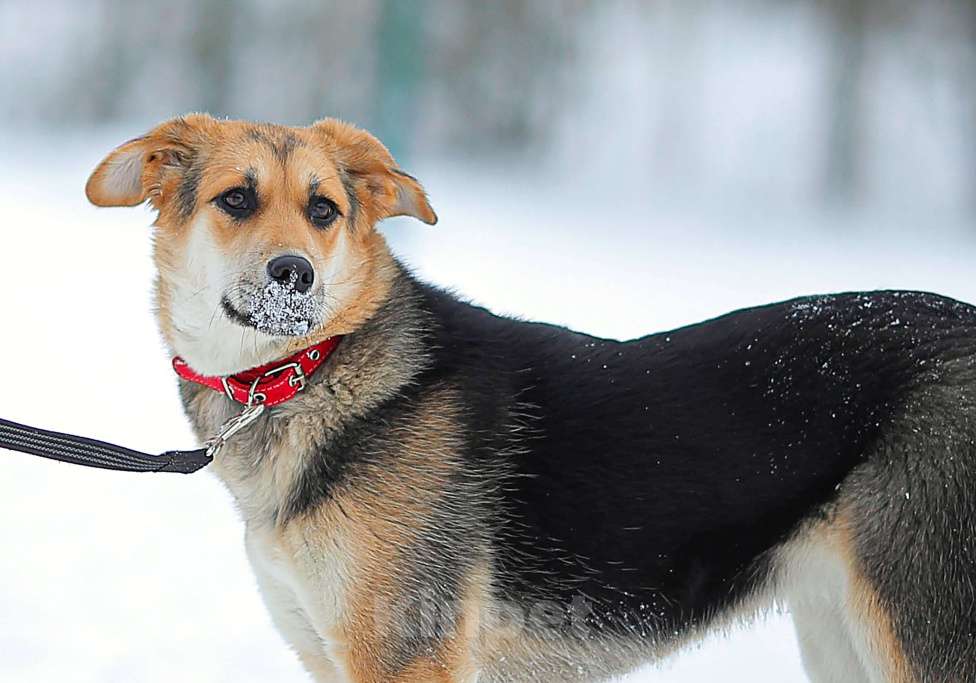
{"points": [[238, 202], [235, 199], [322, 211]]}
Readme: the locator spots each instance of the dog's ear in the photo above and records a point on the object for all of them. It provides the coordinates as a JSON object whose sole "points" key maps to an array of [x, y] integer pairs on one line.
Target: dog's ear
{"points": [[380, 186], [145, 167]]}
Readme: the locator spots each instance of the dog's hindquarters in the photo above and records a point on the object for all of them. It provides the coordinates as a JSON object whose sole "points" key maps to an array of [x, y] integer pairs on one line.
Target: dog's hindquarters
{"points": [[914, 526], [886, 590], [843, 629]]}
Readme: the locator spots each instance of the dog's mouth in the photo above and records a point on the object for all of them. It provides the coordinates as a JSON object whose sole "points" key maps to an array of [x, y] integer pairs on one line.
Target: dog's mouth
{"points": [[276, 308]]}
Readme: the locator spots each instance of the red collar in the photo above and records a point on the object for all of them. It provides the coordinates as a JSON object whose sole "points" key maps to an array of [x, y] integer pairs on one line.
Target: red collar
{"points": [[269, 384]]}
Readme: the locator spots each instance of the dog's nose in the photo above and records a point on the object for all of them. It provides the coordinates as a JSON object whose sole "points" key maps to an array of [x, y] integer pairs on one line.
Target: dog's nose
{"points": [[292, 269]]}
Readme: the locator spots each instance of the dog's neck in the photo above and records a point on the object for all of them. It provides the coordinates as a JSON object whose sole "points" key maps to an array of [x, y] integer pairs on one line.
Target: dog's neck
{"points": [[263, 464]]}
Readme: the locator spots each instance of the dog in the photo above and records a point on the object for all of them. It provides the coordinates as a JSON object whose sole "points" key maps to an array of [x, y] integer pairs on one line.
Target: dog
{"points": [[456, 496]]}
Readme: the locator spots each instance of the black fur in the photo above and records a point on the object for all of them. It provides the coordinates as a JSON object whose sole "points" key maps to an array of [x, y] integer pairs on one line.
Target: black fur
{"points": [[652, 478], [657, 470], [281, 143], [353, 199], [189, 186]]}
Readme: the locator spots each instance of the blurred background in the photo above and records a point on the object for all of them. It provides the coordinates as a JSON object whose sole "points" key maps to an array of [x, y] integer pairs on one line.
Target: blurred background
{"points": [[618, 167]]}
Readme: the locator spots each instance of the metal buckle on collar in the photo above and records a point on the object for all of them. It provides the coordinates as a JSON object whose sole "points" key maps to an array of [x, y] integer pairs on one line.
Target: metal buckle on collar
{"points": [[255, 397], [255, 405], [227, 389], [298, 380]]}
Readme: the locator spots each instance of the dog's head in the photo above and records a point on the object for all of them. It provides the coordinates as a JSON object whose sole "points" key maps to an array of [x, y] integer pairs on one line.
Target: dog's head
{"points": [[265, 239]]}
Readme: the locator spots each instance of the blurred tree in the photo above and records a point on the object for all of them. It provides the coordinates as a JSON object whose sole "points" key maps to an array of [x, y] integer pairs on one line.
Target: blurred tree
{"points": [[498, 70], [213, 23], [969, 69], [118, 55], [400, 42], [341, 76], [847, 29]]}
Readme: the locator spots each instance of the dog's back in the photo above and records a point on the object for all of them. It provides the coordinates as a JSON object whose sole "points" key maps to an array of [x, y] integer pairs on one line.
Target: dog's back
{"points": [[673, 477]]}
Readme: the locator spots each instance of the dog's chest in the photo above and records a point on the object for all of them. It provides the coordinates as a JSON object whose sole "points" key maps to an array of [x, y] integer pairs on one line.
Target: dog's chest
{"points": [[261, 465], [270, 558], [300, 580], [302, 564]]}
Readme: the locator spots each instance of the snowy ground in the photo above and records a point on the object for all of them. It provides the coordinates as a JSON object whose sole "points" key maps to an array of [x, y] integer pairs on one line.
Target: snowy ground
{"points": [[113, 577]]}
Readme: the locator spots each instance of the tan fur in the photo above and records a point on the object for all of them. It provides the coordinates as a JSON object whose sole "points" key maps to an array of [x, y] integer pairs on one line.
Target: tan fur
{"points": [[383, 516], [341, 569], [373, 273]]}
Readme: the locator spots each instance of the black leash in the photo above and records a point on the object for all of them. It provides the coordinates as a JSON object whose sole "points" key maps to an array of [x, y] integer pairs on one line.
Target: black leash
{"points": [[256, 390], [79, 450]]}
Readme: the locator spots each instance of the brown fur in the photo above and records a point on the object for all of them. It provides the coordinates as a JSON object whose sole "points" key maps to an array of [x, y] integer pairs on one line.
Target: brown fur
{"points": [[384, 516]]}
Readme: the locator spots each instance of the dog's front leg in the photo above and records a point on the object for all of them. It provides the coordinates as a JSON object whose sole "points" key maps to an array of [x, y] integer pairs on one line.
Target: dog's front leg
{"points": [[400, 629], [291, 619], [410, 650], [295, 627]]}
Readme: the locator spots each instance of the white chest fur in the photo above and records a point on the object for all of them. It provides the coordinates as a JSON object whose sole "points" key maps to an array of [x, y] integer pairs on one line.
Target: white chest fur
{"points": [[304, 590]]}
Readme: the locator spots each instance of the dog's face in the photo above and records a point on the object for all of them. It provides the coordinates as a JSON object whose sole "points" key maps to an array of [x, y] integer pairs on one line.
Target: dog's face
{"points": [[265, 237]]}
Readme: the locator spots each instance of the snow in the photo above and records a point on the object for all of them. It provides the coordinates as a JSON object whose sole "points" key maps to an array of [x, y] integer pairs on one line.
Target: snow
{"points": [[279, 308], [120, 577]]}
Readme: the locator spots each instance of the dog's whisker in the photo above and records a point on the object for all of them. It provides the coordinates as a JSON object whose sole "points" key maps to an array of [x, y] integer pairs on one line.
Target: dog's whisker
{"points": [[343, 282], [213, 316]]}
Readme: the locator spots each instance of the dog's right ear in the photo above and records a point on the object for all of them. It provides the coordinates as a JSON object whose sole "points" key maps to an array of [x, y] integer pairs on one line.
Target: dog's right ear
{"points": [[383, 187], [149, 166]]}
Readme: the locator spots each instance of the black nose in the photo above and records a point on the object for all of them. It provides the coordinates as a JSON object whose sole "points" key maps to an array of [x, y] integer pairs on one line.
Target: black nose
{"points": [[292, 269]]}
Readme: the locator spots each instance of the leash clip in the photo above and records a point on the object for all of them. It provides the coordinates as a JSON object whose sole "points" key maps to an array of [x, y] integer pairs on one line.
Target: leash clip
{"points": [[232, 426]]}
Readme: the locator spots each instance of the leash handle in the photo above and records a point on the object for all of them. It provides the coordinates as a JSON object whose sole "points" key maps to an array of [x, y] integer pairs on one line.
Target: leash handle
{"points": [[80, 450]]}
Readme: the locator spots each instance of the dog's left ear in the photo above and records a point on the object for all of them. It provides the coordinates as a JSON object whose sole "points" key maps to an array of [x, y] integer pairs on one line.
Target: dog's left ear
{"points": [[143, 168], [380, 186]]}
